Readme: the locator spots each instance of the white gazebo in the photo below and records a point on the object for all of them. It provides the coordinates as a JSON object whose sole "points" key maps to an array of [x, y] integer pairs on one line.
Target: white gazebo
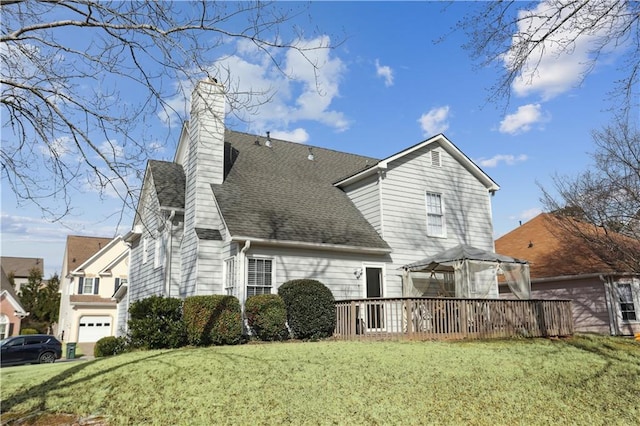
{"points": [[465, 272]]}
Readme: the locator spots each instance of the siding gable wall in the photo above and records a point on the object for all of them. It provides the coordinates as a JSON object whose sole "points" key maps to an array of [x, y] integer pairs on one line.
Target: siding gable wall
{"points": [[466, 201]]}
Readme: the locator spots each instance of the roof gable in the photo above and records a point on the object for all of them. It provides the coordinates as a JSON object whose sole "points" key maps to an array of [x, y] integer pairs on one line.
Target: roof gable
{"points": [[443, 142], [80, 248], [8, 290]]}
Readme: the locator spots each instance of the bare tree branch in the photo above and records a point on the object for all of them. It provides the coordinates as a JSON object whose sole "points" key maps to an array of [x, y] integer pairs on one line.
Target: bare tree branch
{"points": [[70, 70], [604, 201]]}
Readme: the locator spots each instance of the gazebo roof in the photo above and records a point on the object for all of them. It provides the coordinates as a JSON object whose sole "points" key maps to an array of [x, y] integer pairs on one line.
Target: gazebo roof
{"points": [[458, 253]]}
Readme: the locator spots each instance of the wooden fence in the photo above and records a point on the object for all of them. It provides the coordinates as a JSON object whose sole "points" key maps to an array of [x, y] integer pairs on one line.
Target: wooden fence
{"points": [[440, 318]]}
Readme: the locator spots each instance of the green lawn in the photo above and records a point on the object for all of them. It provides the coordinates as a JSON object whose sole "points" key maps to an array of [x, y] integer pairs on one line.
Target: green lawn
{"points": [[584, 380]]}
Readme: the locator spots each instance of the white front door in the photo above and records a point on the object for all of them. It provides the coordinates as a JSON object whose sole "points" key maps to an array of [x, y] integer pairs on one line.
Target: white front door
{"points": [[94, 328]]}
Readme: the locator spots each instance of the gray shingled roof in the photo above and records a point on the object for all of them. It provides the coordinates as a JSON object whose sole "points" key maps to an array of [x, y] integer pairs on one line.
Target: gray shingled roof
{"points": [[169, 181], [278, 193], [208, 234]]}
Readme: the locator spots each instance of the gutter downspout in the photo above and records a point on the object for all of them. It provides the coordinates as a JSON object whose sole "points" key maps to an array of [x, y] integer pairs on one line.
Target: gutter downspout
{"points": [[243, 273], [169, 256]]}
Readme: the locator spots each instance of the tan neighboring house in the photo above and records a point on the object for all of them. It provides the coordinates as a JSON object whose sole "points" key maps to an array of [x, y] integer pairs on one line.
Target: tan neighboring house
{"points": [[606, 297], [21, 268], [11, 311], [93, 269]]}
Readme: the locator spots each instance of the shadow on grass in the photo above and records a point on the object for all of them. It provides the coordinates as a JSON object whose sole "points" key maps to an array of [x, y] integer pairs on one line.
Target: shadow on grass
{"points": [[616, 349], [61, 381]]}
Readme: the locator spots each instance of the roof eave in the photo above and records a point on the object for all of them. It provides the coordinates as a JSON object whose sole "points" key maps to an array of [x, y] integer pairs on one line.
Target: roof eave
{"points": [[316, 246]]}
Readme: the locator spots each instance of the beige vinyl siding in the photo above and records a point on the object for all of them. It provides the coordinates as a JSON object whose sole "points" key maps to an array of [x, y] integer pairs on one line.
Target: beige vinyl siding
{"points": [[333, 269], [365, 195], [589, 303], [466, 205]]}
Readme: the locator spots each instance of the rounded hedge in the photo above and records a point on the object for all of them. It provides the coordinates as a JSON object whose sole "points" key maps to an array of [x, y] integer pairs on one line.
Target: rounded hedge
{"points": [[267, 316], [29, 331], [311, 312], [156, 323], [109, 345]]}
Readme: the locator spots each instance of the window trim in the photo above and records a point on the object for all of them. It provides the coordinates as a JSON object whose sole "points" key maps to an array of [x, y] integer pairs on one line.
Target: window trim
{"points": [[95, 285], [442, 214], [630, 301], [273, 274], [230, 279]]}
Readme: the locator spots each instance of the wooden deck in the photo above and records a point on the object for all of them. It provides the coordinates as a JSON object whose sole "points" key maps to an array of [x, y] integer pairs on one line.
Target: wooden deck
{"points": [[447, 318]]}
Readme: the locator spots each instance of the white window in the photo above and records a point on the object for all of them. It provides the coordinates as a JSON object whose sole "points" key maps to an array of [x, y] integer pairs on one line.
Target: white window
{"points": [[4, 326], [260, 276], [435, 215], [230, 276], [625, 299], [88, 285]]}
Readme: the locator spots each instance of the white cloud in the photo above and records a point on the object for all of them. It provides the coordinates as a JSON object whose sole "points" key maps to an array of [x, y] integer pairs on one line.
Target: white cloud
{"points": [[59, 147], [298, 135], [557, 65], [507, 159], [385, 72], [522, 120], [526, 215], [303, 89], [112, 150], [435, 121]]}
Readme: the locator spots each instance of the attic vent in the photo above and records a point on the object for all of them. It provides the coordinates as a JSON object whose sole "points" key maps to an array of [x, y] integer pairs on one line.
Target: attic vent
{"points": [[311, 157], [435, 158]]}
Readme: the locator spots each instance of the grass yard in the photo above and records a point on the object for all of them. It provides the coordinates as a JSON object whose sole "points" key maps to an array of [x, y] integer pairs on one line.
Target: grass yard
{"points": [[585, 380]]}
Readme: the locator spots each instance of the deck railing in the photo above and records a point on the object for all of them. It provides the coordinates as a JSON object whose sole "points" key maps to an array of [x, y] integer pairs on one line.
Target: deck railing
{"points": [[446, 318]]}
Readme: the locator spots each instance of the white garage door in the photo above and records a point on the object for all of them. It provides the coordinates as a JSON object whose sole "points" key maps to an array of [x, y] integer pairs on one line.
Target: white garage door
{"points": [[93, 328]]}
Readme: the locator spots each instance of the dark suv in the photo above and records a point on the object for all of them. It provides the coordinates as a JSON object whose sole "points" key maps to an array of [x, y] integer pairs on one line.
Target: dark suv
{"points": [[28, 349]]}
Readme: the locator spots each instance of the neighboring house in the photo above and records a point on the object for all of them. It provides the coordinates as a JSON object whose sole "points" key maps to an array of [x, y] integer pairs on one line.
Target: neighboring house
{"points": [[20, 268], [241, 214], [93, 269], [606, 297], [11, 311]]}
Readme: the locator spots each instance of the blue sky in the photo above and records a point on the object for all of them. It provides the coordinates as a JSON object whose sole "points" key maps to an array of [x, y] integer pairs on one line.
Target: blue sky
{"points": [[389, 84]]}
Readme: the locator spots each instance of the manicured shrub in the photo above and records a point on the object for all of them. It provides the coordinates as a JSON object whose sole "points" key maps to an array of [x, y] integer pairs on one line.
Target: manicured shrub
{"points": [[156, 323], [311, 312], [29, 331], [110, 345], [215, 319], [267, 316]]}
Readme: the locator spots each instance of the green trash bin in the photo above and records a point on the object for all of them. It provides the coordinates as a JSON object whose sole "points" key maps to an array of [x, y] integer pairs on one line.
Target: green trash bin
{"points": [[71, 350]]}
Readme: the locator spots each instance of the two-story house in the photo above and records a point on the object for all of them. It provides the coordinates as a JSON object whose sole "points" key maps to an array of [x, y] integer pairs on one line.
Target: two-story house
{"points": [[93, 269], [20, 268], [241, 214]]}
